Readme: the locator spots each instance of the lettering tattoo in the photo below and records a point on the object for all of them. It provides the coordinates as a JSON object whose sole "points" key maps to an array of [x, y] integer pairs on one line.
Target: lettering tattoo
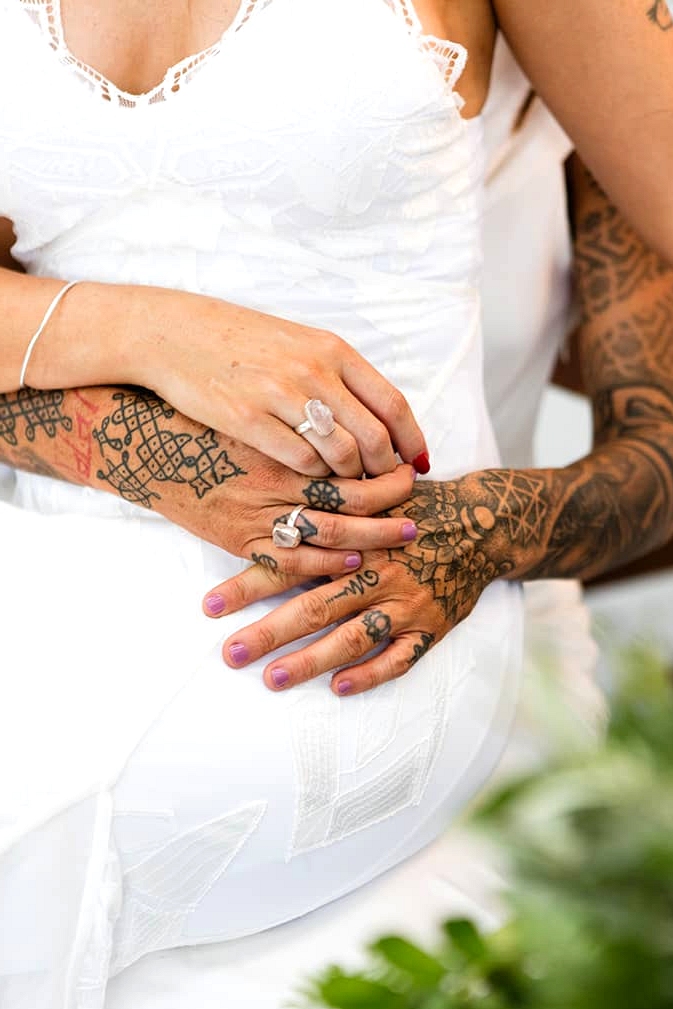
{"points": [[357, 586], [140, 450], [323, 495], [660, 15], [378, 625]]}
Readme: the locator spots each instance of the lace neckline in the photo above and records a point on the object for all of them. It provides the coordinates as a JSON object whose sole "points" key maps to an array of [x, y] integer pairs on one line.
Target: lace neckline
{"points": [[47, 15], [449, 57]]}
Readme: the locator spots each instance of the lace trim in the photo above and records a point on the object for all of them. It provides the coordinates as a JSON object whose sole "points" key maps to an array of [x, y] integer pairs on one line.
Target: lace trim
{"points": [[46, 14], [449, 57]]}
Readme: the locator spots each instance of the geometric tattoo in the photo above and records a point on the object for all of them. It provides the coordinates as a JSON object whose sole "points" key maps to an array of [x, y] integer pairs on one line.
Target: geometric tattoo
{"points": [[32, 410], [660, 15], [138, 449], [520, 501]]}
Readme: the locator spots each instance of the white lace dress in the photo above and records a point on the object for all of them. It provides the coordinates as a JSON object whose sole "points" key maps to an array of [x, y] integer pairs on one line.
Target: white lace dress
{"points": [[261, 172]]}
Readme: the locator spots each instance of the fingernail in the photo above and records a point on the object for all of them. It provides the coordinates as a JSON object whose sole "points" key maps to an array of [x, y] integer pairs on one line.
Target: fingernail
{"points": [[345, 687], [409, 531], [215, 604], [238, 653], [421, 463], [353, 561], [280, 677]]}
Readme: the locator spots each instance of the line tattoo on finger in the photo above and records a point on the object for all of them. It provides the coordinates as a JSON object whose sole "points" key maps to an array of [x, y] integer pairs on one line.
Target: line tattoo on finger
{"points": [[378, 626], [422, 648], [357, 586]]}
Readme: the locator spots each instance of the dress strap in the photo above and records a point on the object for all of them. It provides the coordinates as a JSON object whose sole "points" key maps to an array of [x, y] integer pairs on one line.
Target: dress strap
{"points": [[450, 57]]}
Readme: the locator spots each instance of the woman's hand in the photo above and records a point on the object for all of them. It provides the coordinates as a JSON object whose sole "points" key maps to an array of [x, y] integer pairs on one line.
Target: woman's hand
{"points": [[132, 444], [250, 375], [388, 615]]}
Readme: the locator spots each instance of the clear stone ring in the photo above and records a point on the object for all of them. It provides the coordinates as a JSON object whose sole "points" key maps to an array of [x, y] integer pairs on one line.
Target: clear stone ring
{"points": [[286, 534], [319, 418]]}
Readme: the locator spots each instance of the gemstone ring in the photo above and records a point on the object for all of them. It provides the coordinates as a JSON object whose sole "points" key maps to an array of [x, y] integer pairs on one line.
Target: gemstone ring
{"points": [[286, 534], [319, 418]]}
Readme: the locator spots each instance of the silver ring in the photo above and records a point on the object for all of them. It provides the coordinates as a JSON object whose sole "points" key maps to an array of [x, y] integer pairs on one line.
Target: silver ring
{"points": [[319, 418], [286, 534]]}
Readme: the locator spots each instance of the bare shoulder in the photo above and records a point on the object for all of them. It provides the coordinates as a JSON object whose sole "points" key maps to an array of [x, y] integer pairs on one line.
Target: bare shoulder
{"points": [[472, 24], [605, 68]]}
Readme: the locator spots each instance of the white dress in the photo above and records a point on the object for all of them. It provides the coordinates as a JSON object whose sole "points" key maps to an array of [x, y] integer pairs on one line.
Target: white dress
{"points": [[333, 184]]}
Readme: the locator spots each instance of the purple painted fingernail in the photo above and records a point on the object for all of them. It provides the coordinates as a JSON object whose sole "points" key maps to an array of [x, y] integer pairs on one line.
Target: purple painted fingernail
{"points": [[280, 677], [409, 531], [353, 561], [215, 604], [345, 687], [238, 653]]}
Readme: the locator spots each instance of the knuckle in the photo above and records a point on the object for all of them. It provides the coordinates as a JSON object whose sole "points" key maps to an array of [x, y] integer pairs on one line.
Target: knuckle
{"points": [[266, 638], [377, 441], [352, 639], [306, 668], [306, 458], [398, 408], [314, 613], [328, 529], [344, 450]]}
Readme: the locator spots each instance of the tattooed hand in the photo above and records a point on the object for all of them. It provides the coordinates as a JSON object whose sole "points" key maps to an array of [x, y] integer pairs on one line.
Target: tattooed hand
{"points": [[138, 447], [405, 599]]}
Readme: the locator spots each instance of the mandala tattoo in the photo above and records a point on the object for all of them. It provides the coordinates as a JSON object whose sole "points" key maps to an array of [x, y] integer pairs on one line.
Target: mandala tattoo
{"points": [[139, 450], [449, 554], [265, 561], [660, 14], [357, 586], [521, 502], [24, 413], [427, 641], [378, 626], [323, 495]]}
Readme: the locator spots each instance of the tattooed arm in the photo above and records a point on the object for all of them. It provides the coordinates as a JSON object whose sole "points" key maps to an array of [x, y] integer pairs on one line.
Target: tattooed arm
{"points": [[137, 447], [584, 519], [605, 69]]}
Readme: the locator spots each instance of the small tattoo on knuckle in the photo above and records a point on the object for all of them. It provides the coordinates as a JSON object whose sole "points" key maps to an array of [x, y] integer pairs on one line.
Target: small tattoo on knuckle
{"points": [[378, 625]]}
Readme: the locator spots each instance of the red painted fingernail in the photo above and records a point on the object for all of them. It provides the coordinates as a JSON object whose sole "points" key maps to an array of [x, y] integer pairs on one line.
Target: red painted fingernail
{"points": [[353, 561], [238, 653], [280, 677], [215, 604], [345, 687], [409, 531], [421, 463]]}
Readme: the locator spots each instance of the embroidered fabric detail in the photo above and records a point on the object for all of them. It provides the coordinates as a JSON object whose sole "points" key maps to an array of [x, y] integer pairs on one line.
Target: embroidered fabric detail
{"points": [[449, 57], [163, 889], [47, 15], [378, 720], [315, 723]]}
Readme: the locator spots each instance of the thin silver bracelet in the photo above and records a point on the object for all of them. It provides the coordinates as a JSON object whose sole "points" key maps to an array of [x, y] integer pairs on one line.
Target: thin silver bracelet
{"points": [[47, 316]]}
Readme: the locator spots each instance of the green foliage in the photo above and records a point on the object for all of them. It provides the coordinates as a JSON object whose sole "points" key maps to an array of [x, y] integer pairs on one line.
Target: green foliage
{"points": [[590, 843]]}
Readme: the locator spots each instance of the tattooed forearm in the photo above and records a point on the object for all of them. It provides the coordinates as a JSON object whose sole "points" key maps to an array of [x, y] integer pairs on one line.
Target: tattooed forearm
{"points": [[660, 15], [140, 451], [129, 442]]}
